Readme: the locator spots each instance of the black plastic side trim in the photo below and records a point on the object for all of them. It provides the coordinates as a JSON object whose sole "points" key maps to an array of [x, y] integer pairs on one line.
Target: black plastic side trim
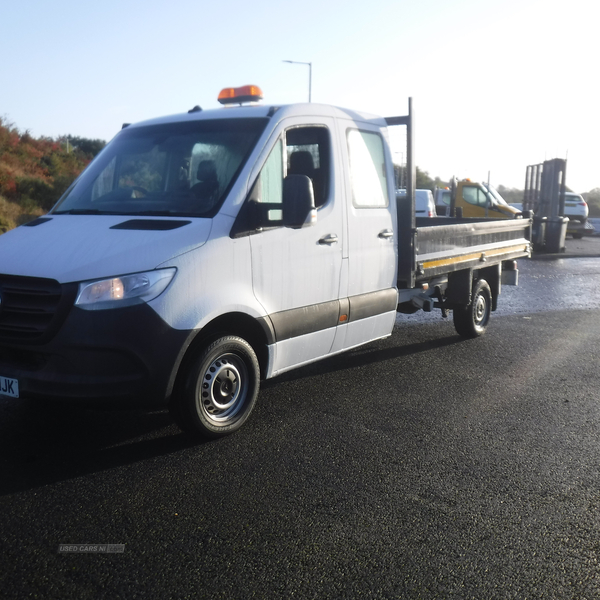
{"points": [[268, 329], [307, 319], [316, 317], [373, 303]]}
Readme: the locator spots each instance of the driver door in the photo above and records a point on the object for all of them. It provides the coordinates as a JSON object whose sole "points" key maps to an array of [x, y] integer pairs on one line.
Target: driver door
{"points": [[296, 271]]}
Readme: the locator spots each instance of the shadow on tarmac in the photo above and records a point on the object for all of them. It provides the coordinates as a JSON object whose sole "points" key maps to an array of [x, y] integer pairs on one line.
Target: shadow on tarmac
{"points": [[45, 444], [363, 356], [42, 444]]}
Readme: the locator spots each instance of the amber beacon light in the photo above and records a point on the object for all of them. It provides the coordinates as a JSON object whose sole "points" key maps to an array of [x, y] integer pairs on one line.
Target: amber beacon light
{"points": [[239, 95]]}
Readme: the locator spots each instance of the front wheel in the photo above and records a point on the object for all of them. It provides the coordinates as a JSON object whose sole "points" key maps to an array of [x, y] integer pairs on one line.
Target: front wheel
{"points": [[219, 390], [472, 320]]}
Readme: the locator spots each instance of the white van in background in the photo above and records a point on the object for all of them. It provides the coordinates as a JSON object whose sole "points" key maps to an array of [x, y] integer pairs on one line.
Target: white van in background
{"points": [[424, 203]]}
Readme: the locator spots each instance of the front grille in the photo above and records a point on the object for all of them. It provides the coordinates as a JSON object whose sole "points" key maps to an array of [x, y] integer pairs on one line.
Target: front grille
{"points": [[32, 308]]}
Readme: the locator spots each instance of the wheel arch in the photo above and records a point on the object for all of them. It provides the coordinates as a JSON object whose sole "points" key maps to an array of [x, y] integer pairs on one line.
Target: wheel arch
{"points": [[257, 332], [493, 276], [461, 283]]}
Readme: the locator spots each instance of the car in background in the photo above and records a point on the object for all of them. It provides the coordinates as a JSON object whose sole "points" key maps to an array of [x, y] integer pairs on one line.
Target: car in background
{"points": [[576, 207], [424, 203]]}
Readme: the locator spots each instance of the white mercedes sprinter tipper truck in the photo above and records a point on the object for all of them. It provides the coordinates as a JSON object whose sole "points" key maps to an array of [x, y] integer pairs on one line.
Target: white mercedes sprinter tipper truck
{"points": [[202, 252]]}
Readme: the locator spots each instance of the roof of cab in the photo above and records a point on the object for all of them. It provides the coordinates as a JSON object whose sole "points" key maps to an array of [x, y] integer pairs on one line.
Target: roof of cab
{"points": [[261, 110]]}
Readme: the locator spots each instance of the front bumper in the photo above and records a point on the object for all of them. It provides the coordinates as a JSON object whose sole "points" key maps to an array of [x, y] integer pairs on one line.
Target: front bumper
{"points": [[127, 356]]}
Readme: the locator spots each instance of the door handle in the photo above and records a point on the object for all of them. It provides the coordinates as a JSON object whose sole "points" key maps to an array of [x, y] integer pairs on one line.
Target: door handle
{"points": [[328, 240], [386, 233]]}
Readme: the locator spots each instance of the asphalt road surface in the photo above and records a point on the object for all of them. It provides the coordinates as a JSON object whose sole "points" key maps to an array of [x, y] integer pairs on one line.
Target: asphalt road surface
{"points": [[420, 466]]}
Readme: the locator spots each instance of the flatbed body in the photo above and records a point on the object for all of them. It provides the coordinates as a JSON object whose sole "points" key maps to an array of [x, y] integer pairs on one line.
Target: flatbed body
{"points": [[444, 247]]}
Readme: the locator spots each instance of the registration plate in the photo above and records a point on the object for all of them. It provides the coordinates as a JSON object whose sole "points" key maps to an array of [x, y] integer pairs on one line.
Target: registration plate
{"points": [[9, 387]]}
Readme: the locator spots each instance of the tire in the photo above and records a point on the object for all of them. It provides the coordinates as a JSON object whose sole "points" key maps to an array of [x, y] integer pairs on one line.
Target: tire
{"points": [[578, 236], [219, 389], [472, 320]]}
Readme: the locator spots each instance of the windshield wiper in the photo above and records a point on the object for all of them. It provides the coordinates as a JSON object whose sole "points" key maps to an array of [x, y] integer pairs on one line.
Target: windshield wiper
{"points": [[152, 213], [166, 213], [78, 211]]}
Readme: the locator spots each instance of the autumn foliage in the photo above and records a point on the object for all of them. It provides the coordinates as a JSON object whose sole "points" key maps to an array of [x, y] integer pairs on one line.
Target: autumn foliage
{"points": [[34, 173]]}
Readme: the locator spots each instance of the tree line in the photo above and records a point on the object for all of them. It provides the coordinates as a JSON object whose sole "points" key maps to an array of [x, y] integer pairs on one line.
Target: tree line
{"points": [[35, 172]]}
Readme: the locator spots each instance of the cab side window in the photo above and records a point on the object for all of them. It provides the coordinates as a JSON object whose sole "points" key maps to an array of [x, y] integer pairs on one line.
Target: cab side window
{"points": [[308, 153], [475, 196], [268, 189], [271, 177], [299, 151]]}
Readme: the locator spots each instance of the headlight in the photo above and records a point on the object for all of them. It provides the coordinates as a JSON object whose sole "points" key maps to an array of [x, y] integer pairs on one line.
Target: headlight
{"points": [[124, 290]]}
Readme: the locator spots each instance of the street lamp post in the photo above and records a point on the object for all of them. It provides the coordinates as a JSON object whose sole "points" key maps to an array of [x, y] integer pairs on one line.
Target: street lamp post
{"points": [[295, 62]]}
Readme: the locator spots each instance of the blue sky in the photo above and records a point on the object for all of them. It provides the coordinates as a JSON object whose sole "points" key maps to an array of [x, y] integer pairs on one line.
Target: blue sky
{"points": [[496, 85]]}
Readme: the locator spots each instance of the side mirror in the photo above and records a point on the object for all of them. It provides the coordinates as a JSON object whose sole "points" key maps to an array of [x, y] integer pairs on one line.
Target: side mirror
{"points": [[298, 202]]}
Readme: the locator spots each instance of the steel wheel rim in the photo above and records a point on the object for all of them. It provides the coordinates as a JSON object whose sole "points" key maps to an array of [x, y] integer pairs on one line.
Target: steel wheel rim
{"points": [[480, 310], [223, 388]]}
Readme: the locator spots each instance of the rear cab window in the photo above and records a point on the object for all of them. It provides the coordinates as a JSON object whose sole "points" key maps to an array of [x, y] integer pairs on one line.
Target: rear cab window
{"points": [[367, 169]]}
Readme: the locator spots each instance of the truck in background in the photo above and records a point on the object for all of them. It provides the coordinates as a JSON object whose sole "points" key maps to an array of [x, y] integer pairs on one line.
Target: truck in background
{"points": [[442, 197], [473, 200], [202, 252]]}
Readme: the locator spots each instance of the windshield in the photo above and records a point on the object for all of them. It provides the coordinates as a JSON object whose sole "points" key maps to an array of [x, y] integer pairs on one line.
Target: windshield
{"points": [[183, 169], [495, 194]]}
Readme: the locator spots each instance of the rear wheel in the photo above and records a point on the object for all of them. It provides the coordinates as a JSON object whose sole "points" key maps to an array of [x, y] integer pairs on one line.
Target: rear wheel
{"points": [[472, 320], [219, 390]]}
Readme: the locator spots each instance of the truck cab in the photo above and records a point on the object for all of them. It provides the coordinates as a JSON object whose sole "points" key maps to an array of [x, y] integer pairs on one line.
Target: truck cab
{"points": [[480, 200], [232, 226], [442, 197]]}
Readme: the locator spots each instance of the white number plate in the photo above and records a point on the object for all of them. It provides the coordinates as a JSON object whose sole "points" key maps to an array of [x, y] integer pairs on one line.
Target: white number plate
{"points": [[9, 387]]}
